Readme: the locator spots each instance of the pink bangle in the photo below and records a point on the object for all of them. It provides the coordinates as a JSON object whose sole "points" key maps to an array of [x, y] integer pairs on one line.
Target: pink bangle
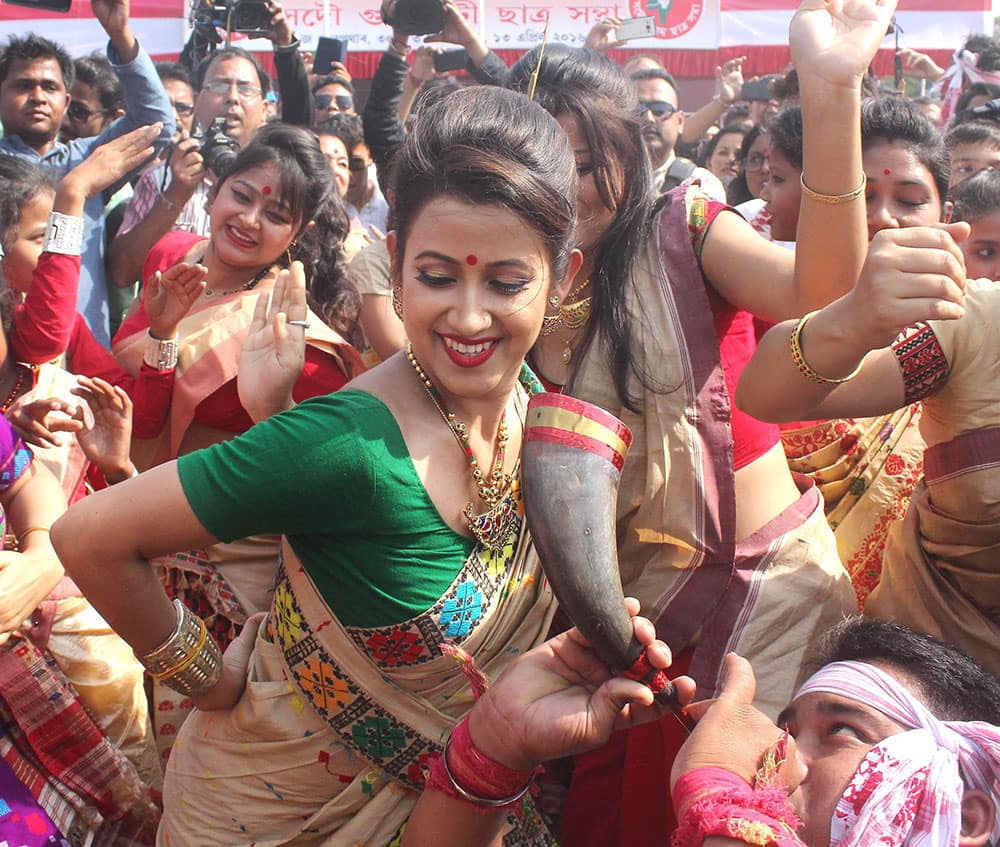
{"points": [[466, 774], [716, 802]]}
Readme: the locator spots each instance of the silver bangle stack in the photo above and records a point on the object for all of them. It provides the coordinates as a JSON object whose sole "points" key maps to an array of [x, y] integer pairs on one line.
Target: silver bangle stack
{"points": [[189, 661], [160, 353]]}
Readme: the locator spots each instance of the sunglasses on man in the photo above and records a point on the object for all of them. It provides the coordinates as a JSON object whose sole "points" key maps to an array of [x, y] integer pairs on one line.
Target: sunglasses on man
{"points": [[343, 102], [659, 108], [78, 112]]}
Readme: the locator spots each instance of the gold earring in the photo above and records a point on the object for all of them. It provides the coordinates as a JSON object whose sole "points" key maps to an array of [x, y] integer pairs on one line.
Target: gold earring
{"points": [[288, 252], [397, 301], [554, 301]]}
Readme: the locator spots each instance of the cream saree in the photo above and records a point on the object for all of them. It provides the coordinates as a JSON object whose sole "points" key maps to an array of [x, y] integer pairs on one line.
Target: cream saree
{"points": [[329, 743]]}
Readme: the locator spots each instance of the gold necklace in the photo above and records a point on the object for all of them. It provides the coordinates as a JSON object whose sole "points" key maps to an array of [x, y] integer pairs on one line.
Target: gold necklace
{"points": [[491, 488]]}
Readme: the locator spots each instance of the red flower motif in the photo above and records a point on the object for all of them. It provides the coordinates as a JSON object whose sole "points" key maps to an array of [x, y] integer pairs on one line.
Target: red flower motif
{"points": [[894, 465], [399, 647]]}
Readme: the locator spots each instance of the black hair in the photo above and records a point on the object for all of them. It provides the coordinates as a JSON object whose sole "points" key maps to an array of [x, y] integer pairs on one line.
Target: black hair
{"points": [[893, 120], [738, 191], [987, 48], [174, 70], [21, 180], [588, 86], [785, 87], [333, 79], [96, 71], [488, 146], [658, 73], [344, 126], [973, 132], [784, 132], [953, 686], [736, 115], [977, 196], [232, 53], [31, 47], [978, 89], [713, 142], [307, 187]]}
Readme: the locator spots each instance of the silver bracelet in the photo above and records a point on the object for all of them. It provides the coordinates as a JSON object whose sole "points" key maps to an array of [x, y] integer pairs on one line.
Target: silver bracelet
{"points": [[63, 234], [161, 353], [189, 661]]}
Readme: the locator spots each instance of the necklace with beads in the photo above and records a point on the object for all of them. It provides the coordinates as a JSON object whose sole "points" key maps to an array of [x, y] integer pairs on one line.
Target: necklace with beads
{"points": [[492, 527], [212, 292], [22, 372]]}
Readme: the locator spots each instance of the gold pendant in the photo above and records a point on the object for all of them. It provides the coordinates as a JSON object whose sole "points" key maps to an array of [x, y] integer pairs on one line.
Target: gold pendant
{"points": [[567, 354]]}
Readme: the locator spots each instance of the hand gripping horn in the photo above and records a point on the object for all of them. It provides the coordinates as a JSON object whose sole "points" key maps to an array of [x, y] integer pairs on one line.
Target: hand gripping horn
{"points": [[571, 463]]}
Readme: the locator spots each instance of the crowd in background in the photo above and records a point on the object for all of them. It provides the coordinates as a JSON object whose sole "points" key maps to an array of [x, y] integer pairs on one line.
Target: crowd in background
{"points": [[266, 360]]}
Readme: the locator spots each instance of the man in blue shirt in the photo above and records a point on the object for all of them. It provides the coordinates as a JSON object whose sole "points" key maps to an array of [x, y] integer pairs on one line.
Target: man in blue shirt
{"points": [[35, 78]]}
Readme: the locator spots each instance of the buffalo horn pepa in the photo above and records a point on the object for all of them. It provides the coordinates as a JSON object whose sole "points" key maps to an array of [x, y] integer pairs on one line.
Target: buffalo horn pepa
{"points": [[571, 463]]}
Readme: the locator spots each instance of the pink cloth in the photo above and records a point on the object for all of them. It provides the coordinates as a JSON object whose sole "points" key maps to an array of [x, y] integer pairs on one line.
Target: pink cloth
{"points": [[908, 790]]}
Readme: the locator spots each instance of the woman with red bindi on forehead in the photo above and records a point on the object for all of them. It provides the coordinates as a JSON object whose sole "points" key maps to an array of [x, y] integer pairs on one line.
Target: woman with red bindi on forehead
{"points": [[277, 205]]}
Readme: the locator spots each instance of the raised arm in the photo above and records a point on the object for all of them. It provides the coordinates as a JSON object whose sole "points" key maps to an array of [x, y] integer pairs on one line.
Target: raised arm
{"points": [[844, 366], [43, 324], [146, 101], [293, 79], [728, 84], [832, 45]]}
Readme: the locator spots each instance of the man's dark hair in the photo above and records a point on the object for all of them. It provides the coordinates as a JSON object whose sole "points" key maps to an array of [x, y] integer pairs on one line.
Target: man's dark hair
{"points": [[658, 73], [174, 70], [987, 48], [345, 127], [96, 71], [333, 79], [784, 87], [32, 47], [953, 686], [232, 53], [973, 132]]}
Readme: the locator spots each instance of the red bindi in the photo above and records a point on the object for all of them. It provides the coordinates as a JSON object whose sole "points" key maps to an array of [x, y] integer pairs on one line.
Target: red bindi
{"points": [[471, 259], [266, 190], [887, 171]]}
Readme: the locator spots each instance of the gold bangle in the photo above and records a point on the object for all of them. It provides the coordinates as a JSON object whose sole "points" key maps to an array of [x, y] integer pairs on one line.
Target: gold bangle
{"points": [[185, 661], [834, 199], [795, 344], [30, 530]]}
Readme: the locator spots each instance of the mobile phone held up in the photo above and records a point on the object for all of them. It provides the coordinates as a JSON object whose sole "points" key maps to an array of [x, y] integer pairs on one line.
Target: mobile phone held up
{"points": [[46, 5], [633, 28], [450, 60], [328, 51]]}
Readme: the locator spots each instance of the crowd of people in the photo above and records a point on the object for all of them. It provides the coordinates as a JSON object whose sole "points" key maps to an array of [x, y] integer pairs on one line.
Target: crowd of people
{"points": [[268, 363]]}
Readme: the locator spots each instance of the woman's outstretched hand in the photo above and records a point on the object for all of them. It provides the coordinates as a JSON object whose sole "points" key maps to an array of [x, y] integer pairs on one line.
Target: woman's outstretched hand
{"points": [[106, 433], [836, 40], [169, 295], [560, 699], [275, 350]]}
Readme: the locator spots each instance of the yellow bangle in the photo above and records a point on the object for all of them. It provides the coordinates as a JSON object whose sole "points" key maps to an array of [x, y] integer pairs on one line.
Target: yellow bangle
{"points": [[30, 530], [834, 199], [186, 662], [795, 343]]}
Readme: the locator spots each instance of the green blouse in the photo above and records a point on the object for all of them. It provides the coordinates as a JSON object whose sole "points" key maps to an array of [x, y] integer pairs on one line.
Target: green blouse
{"points": [[334, 476]]}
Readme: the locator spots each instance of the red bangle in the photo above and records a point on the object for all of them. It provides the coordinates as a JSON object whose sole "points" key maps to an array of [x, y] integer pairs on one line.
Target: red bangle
{"points": [[465, 773], [716, 802]]}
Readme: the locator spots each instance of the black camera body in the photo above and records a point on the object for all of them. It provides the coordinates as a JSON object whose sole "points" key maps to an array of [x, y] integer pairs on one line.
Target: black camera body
{"points": [[416, 17], [218, 149], [250, 17]]}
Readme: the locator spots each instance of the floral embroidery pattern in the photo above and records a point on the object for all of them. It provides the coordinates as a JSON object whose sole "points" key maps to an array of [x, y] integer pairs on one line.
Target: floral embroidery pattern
{"points": [[399, 647], [462, 610], [287, 618], [319, 682]]}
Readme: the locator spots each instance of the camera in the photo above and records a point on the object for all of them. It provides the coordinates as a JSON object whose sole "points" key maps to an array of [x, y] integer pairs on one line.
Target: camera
{"points": [[218, 149], [416, 17], [250, 17]]}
